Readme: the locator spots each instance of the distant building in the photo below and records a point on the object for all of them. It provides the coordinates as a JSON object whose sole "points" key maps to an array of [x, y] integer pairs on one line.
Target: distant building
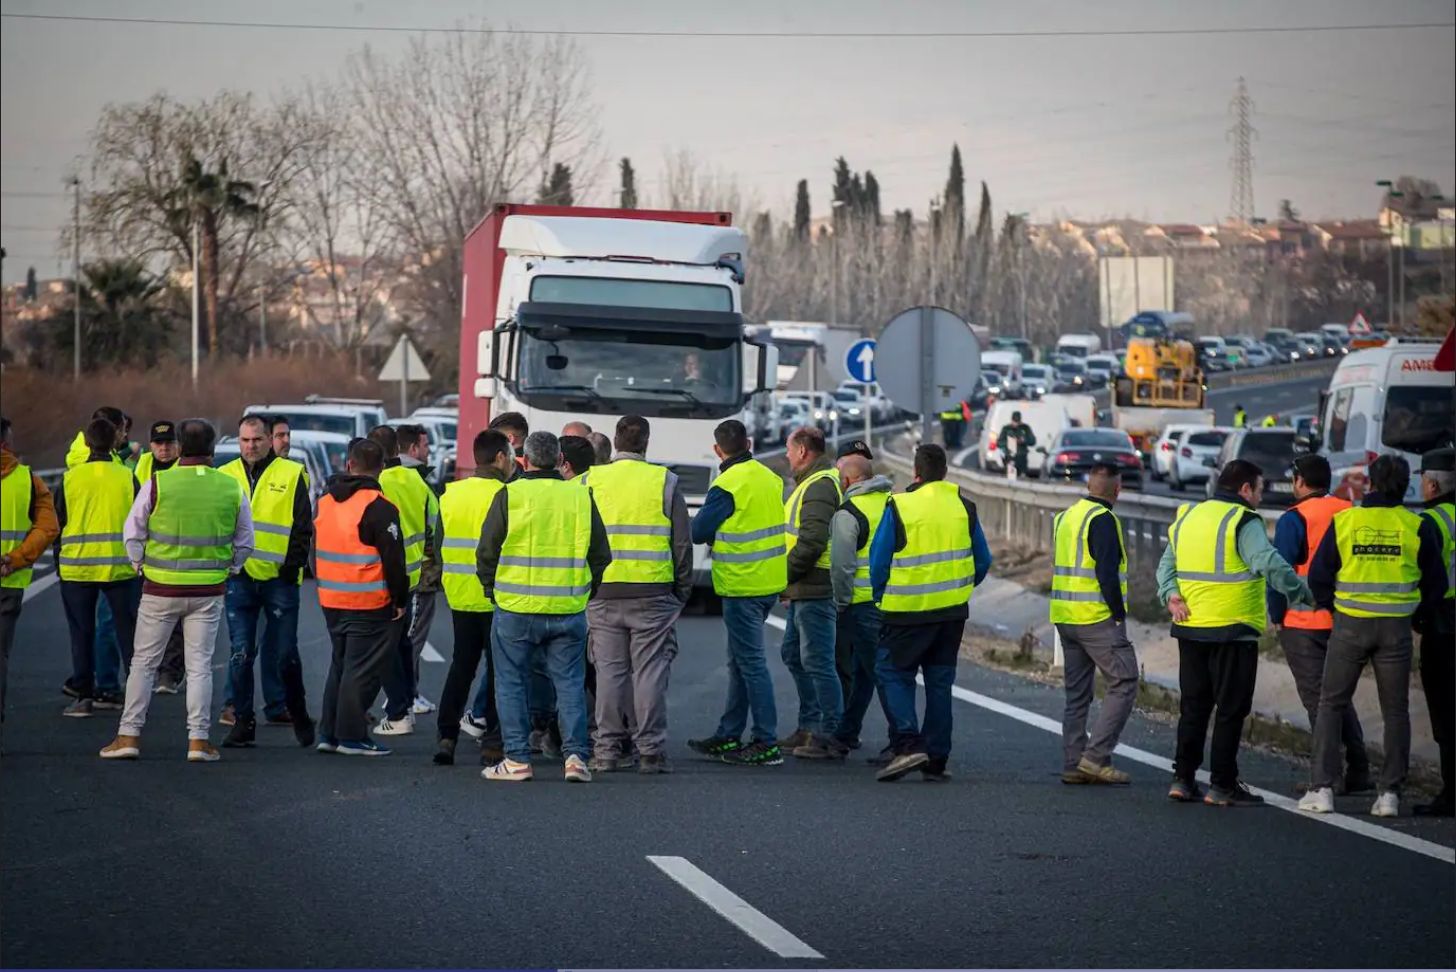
{"points": [[1357, 237]]}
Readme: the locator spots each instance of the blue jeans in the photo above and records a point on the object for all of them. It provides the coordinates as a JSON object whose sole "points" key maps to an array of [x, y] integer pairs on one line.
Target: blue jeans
{"points": [[561, 639], [860, 625], [106, 651], [276, 601], [750, 685], [808, 653], [899, 688]]}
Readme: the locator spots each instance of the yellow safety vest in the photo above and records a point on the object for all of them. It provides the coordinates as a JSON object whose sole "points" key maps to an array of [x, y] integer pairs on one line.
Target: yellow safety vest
{"points": [[419, 510], [542, 566], [272, 502], [15, 496], [936, 568], [749, 558], [793, 507], [1379, 576], [631, 496], [1213, 579], [1444, 516], [872, 507], [99, 495], [190, 531], [1076, 595], [462, 514]]}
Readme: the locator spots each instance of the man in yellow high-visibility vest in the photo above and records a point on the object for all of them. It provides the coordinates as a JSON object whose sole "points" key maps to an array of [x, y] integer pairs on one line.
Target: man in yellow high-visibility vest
{"points": [[633, 614], [1212, 578], [27, 527], [542, 554], [1436, 624], [162, 454], [926, 559], [1378, 565]]}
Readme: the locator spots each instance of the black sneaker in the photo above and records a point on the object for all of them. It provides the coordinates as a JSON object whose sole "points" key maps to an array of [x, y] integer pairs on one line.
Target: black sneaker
{"points": [[70, 689], [109, 700], [1238, 795], [551, 742], [715, 746], [1442, 806], [241, 734], [445, 753], [304, 731], [883, 757], [935, 772], [755, 753], [1185, 791], [1356, 781], [652, 763]]}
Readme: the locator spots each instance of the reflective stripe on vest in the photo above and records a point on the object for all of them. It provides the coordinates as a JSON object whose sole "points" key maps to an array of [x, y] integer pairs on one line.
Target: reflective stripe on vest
{"points": [[1317, 512], [542, 566], [462, 513], [1213, 579], [872, 507], [1379, 576], [1076, 596], [190, 531], [418, 513], [749, 556], [1444, 516], [793, 509], [350, 573], [98, 497], [631, 497], [935, 569], [16, 492], [272, 500]]}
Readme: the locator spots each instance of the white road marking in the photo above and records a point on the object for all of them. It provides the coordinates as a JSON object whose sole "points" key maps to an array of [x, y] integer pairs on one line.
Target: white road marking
{"points": [[1375, 832], [749, 920], [774, 621], [430, 654], [39, 585]]}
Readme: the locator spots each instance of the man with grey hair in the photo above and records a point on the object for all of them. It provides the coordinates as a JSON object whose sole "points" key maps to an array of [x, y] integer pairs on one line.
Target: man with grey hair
{"points": [[576, 428], [542, 554], [1438, 627], [602, 445]]}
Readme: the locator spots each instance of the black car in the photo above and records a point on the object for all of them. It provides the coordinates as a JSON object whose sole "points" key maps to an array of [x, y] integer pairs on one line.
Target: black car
{"points": [[1073, 452], [1071, 376], [1288, 349], [1272, 450]]}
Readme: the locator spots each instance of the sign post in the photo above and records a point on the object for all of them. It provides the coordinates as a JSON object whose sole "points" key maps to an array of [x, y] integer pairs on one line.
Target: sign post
{"points": [[859, 362], [927, 360], [404, 365]]}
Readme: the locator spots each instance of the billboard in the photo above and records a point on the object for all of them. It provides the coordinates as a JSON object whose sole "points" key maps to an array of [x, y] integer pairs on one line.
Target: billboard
{"points": [[1127, 285]]}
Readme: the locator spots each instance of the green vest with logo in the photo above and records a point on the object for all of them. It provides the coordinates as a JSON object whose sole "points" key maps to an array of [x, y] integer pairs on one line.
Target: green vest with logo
{"points": [[1379, 576], [190, 531], [749, 557], [1076, 596], [462, 515], [542, 567], [631, 496], [98, 495], [1213, 579]]}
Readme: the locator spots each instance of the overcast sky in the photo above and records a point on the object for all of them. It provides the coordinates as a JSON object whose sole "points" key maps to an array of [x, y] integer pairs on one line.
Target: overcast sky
{"points": [[1086, 126]]}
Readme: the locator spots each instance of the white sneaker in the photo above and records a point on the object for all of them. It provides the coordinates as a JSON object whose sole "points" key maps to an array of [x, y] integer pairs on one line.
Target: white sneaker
{"points": [[471, 727], [396, 727], [576, 770], [1321, 800], [1387, 804], [422, 706], [508, 771]]}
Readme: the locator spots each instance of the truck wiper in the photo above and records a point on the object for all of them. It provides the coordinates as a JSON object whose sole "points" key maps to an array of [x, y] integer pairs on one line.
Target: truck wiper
{"points": [[587, 390], [670, 391]]}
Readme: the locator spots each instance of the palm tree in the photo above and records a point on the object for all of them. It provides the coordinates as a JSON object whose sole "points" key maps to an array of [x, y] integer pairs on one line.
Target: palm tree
{"points": [[212, 199], [122, 316]]}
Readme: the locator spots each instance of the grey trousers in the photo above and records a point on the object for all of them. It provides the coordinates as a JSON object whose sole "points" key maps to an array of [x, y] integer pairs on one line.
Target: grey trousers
{"points": [[1305, 650], [421, 618], [1088, 649], [634, 640], [1384, 643], [11, 598]]}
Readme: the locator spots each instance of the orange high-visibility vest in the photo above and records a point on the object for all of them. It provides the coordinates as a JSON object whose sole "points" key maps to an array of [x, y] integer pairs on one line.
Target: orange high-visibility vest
{"points": [[350, 573], [1317, 512]]}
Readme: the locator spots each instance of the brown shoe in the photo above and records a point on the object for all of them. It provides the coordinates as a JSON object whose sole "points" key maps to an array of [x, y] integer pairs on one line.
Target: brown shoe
{"points": [[1075, 777], [1102, 774], [799, 737], [122, 747], [202, 751], [227, 717]]}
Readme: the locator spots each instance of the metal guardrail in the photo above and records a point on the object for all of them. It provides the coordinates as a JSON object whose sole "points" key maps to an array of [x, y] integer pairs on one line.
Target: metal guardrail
{"points": [[50, 477]]}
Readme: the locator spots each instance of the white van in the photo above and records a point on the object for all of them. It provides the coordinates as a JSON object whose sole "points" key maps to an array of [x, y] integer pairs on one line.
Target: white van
{"points": [[1007, 364], [1081, 409], [1389, 399], [1046, 418], [1079, 345]]}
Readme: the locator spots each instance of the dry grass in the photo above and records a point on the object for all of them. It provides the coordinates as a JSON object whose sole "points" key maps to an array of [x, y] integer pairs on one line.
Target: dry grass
{"points": [[48, 408]]}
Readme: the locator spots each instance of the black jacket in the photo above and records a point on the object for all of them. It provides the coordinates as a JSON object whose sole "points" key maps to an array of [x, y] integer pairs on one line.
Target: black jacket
{"points": [[378, 528], [497, 525], [300, 538]]}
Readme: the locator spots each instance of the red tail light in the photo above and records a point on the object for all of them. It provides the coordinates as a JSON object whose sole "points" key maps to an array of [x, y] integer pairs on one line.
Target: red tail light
{"points": [[1064, 457], [1130, 460], [991, 446], [1186, 453], [1166, 447]]}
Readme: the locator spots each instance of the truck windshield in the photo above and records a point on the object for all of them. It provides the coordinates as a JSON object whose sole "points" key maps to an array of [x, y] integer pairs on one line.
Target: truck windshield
{"points": [[1417, 418], [648, 372]]}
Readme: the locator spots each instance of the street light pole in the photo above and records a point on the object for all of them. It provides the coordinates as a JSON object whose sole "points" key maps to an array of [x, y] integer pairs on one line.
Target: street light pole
{"points": [[195, 299], [76, 278]]}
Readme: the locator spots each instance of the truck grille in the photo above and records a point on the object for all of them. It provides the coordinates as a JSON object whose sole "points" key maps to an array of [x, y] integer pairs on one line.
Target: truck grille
{"points": [[692, 480]]}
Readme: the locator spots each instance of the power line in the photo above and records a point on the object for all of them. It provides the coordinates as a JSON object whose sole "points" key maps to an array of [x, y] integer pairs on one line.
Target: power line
{"points": [[872, 34]]}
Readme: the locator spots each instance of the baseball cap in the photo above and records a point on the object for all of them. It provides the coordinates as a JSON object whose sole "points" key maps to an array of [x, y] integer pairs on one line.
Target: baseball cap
{"points": [[1439, 460], [163, 432], [858, 447]]}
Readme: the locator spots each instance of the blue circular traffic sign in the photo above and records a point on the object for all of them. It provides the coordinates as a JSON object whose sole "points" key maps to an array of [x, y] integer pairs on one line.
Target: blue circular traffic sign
{"points": [[859, 360]]}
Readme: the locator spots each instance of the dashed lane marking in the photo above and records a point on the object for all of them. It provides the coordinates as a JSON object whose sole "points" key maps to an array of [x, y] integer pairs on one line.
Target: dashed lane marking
{"points": [[748, 919], [430, 653]]}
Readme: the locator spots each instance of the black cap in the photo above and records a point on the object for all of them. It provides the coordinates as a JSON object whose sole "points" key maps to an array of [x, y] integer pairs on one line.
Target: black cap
{"points": [[163, 432], [857, 447], [1439, 460]]}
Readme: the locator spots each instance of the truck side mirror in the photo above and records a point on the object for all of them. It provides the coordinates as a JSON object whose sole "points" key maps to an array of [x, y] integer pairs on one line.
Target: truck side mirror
{"points": [[760, 367], [485, 361]]}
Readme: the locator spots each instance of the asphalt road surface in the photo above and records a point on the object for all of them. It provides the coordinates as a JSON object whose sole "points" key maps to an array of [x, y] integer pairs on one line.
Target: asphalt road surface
{"points": [[283, 857]]}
